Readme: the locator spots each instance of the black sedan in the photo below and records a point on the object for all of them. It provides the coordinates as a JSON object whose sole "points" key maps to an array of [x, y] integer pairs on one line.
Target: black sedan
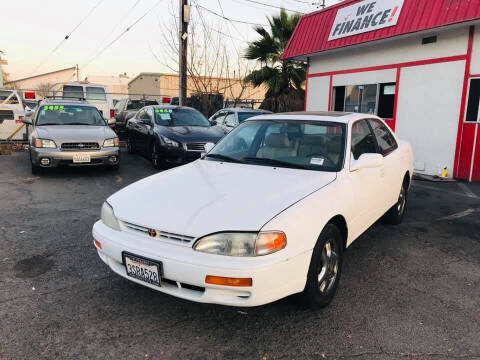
{"points": [[170, 135]]}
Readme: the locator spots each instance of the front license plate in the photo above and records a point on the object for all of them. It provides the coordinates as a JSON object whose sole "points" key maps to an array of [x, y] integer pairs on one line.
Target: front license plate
{"points": [[81, 158], [143, 269]]}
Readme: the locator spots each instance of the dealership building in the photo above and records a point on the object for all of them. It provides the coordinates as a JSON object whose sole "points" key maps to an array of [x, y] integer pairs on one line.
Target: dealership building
{"points": [[415, 63]]}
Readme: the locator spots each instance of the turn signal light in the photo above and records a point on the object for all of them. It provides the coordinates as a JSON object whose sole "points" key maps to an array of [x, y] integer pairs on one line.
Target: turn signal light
{"points": [[38, 143], [97, 243], [270, 242], [226, 281]]}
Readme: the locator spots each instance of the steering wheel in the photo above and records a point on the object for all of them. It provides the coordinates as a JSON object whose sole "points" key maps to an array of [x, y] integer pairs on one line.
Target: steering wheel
{"points": [[324, 156]]}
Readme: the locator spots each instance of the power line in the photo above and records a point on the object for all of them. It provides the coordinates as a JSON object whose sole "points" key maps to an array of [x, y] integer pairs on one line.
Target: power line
{"points": [[122, 33], [226, 18], [273, 6], [66, 37]]}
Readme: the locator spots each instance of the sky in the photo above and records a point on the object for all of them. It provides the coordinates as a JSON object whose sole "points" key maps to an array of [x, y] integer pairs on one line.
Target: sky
{"points": [[32, 29]]}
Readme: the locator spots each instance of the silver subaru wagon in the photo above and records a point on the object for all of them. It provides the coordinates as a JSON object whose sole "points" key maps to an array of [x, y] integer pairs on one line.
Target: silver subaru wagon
{"points": [[71, 133]]}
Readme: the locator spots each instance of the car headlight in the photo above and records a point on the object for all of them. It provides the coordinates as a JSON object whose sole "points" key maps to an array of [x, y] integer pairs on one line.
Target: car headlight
{"points": [[242, 244], [169, 142], [45, 143], [108, 217], [111, 142]]}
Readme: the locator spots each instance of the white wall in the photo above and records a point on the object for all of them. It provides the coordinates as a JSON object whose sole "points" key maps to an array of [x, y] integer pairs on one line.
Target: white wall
{"points": [[364, 78], [317, 93], [449, 43], [475, 65], [428, 111]]}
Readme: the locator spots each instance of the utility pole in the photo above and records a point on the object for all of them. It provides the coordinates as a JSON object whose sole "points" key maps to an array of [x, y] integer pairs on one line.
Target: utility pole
{"points": [[183, 33], [2, 62]]}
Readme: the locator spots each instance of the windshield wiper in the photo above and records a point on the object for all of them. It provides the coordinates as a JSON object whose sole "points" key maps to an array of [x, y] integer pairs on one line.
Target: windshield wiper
{"points": [[225, 158], [274, 162]]}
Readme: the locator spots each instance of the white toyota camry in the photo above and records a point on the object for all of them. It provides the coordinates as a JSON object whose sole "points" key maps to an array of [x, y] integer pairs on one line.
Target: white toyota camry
{"points": [[267, 213]]}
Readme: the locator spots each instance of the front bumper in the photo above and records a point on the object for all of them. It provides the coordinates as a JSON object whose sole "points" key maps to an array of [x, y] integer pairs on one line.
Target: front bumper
{"points": [[57, 157], [178, 155], [184, 270]]}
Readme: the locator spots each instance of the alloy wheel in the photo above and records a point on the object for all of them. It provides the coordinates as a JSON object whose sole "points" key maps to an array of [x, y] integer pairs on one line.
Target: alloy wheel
{"points": [[329, 266]]}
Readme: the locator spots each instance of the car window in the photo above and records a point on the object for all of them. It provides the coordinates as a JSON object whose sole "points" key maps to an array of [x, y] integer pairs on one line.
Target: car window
{"points": [[219, 117], [120, 105], [73, 92], [96, 93], [230, 120], [363, 141], [242, 116], [69, 115], [385, 140]]}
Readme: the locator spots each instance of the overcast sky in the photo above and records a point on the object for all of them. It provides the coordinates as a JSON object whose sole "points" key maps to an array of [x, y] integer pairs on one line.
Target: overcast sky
{"points": [[32, 29]]}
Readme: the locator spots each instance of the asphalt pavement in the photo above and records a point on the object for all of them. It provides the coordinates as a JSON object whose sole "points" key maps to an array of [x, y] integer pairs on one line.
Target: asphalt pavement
{"points": [[410, 291]]}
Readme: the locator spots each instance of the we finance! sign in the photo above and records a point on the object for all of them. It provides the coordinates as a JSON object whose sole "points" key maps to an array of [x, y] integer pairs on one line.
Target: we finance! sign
{"points": [[364, 17]]}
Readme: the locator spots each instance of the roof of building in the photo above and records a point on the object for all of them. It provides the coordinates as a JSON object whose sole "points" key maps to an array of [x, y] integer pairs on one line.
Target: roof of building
{"points": [[313, 30], [39, 75]]}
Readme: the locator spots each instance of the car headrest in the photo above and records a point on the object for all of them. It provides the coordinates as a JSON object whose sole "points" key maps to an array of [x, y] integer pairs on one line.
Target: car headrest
{"points": [[314, 140], [277, 141]]}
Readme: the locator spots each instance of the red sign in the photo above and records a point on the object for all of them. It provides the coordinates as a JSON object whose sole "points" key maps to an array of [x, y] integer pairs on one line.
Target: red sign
{"points": [[30, 95]]}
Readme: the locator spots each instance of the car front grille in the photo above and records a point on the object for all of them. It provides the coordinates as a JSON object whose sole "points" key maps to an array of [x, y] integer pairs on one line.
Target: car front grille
{"points": [[195, 146], [162, 235], [80, 146]]}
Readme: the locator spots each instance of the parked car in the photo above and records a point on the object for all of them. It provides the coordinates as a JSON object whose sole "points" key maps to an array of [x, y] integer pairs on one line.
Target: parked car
{"points": [[170, 135], [228, 118], [125, 109], [266, 214], [71, 133], [95, 94], [13, 108]]}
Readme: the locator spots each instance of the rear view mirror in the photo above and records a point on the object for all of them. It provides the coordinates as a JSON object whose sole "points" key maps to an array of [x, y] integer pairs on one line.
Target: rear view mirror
{"points": [[367, 161]]}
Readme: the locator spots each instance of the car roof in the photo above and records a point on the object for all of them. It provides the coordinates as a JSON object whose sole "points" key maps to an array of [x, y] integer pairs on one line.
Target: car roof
{"points": [[247, 110], [331, 116]]}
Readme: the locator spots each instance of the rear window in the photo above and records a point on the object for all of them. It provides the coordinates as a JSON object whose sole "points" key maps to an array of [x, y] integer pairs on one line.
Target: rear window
{"points": [[138, 104], [242, 116], [72, 92], [96, 93]]}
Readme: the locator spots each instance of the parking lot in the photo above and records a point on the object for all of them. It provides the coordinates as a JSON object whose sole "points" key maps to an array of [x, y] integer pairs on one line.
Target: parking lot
{"points": [[406, 291]]}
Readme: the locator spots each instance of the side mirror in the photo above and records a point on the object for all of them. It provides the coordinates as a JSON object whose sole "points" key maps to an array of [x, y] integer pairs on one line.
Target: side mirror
{"points": [[213, 122], [111, 122], [367, 161], [27, 120], [28, 112]]}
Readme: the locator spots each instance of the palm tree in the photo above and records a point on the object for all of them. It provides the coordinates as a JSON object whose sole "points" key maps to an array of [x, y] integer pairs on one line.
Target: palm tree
{"points": [[280, 76]]}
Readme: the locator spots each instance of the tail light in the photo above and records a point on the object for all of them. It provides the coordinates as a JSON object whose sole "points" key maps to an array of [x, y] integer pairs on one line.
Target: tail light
{"points": [[112, 113]]}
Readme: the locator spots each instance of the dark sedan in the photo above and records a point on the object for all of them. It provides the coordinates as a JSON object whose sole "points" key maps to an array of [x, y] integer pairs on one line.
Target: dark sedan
{"points": [[170, 135]]}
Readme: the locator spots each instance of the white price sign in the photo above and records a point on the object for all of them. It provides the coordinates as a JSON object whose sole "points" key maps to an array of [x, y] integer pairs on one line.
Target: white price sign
{"points": [[364, 17]]}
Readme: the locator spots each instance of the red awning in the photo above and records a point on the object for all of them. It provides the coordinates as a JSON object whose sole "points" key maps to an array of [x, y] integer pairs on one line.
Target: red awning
{"points": [[313, 30]]}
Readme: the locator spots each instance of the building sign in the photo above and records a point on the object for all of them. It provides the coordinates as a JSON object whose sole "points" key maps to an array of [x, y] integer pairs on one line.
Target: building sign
{"points": [[364, 17]]}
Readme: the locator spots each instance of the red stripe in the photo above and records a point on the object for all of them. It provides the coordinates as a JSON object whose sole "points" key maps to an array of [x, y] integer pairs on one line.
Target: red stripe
{"points": [[395, 104], [330, 94], [458, 147], [393, 66], [476, 161]]}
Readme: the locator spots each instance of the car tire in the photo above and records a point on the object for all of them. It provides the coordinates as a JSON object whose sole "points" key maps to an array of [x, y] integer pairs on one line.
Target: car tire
{"points": [[395, 215], [115, 167], [154, 157], [325, 269]]}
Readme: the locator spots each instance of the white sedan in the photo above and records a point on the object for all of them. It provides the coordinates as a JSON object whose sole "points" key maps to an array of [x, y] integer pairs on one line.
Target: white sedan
{"points": [[267, 213]]}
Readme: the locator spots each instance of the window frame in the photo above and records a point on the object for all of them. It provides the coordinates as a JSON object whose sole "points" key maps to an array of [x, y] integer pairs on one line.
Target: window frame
{"points": [[467, 103]]}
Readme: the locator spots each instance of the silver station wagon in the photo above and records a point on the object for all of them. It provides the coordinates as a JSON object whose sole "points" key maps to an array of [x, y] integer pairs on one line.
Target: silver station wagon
{"points": [[71, 133]]}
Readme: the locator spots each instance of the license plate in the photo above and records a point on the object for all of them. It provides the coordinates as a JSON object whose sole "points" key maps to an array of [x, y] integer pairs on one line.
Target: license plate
{"points": [[81, 158], [146, 270]]}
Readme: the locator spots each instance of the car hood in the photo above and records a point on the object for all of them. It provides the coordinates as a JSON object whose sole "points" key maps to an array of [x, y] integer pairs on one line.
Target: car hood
{"points": [[209, 196], [74, 133], [192, 133]]}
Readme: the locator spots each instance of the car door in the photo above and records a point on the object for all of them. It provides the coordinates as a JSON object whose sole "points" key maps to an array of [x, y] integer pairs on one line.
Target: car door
{"points": [[133, 130], [367, 184], [387, 147], [145, 126]]}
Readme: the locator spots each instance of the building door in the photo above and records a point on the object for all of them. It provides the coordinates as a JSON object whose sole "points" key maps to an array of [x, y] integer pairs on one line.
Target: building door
{"points": [[469, 161]]}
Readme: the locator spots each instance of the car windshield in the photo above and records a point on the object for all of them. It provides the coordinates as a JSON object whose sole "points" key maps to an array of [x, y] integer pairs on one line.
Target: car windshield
{"points": [[180, 117], [242, 116], [310, 145], [69, 115]]}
